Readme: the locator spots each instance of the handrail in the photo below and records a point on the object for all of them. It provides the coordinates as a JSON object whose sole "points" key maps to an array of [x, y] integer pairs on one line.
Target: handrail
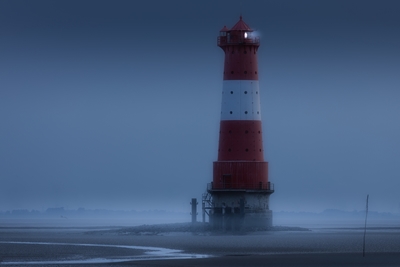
{"points": [[235, 186], [224, 40]]}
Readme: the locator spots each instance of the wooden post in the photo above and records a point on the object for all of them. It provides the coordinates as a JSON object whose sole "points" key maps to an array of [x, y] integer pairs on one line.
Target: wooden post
{"points": [[365, 226]]}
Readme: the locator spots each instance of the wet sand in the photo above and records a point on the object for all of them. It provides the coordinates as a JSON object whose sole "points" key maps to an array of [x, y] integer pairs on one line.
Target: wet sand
{"points": [[320, 247], [306, 260]]}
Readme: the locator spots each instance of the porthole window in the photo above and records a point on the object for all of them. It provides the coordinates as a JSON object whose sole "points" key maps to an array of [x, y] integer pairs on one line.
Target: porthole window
{"points": [[247, 150], [231, 92], [230, 112], [245, 72], [256, 92], [229, 150], [260, 150], [258, 112], [245, 92], [245, 112], [230, 131], [231, 72], [259, 131], [255, 72], [246, 131], [245, 52]]}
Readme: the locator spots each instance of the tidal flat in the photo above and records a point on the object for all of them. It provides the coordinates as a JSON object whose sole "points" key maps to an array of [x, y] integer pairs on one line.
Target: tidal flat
{"points": [[113, 246]]}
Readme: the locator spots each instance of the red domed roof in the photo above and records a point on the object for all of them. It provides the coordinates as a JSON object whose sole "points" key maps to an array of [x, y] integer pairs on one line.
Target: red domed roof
{"points": [[224, 29], [241, 26]]}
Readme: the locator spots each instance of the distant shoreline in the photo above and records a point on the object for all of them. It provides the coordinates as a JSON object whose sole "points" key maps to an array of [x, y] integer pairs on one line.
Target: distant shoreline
{"points": [[185, 227]]}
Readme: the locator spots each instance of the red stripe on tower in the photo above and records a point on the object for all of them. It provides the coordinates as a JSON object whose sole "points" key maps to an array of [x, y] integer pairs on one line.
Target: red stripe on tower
{"points": [[240, 162]]}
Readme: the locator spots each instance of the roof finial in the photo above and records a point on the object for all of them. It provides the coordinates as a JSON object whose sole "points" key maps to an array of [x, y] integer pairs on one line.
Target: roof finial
{"points": [[241, 9]]}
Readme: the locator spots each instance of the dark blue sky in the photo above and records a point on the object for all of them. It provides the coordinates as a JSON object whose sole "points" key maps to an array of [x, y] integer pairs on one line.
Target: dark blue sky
{"points": [[115, 104]]}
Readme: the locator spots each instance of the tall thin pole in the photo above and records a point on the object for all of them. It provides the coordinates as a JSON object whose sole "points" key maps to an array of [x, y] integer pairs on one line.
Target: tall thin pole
{"points": [[365, 226]]}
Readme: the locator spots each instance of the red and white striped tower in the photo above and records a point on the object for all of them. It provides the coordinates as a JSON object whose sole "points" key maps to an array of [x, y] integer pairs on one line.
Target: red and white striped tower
{"points": [[240, 187]]}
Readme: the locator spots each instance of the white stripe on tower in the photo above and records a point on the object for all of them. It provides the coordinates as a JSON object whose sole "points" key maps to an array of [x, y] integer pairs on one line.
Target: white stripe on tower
{"points": [[240, 100]]}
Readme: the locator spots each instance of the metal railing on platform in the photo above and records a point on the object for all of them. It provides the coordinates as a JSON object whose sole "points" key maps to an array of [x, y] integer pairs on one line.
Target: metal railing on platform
{"points": [[224, 40], [236, 186]]}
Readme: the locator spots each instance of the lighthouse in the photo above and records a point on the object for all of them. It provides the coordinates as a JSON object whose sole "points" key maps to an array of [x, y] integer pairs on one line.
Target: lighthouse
{"points": [[238, 195]]}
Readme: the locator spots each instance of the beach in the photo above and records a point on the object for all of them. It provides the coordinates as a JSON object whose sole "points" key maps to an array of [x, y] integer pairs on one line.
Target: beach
{"points": [[56, 246]]}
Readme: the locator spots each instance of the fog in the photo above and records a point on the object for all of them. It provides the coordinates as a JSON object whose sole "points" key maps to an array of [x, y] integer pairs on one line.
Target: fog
{"points": [[115, 105], [179, 222]]}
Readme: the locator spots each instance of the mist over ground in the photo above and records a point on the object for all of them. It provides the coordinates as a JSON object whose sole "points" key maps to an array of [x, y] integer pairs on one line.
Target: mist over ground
{"points": [[69, 218], [115, 105]]}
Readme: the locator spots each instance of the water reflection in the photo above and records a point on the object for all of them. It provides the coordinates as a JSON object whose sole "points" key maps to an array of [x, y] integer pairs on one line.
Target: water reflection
{"points": [[149, 253]]}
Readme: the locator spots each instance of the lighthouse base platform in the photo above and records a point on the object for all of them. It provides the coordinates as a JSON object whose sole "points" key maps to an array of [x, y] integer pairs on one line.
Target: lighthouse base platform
{"points": [[238, 210]]}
